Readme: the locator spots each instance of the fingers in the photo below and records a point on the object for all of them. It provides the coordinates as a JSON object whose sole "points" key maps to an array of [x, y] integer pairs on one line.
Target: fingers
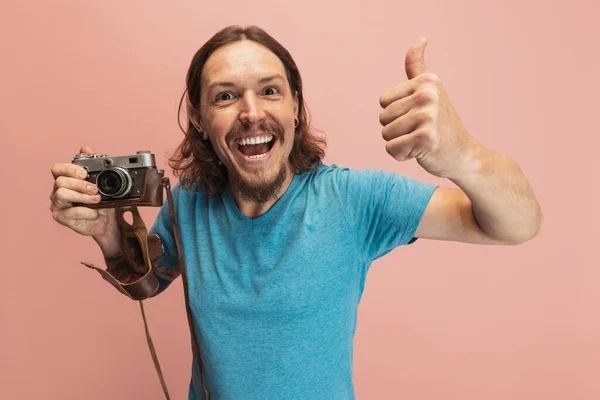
{"points": [[400, 148], [68, 169], [69, 217], [395, 110], [414, 62], [398, 92], [78, 213], [402, 125], [64, 213], [420, 97], [405, 147], [85, 149], [71, 178], [69, 186], [77, 185], [63, 198], [419, 89]]}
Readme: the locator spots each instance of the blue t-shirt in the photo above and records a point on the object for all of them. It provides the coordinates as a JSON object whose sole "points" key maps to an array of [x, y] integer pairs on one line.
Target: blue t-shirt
{"points": [[275, 298]]}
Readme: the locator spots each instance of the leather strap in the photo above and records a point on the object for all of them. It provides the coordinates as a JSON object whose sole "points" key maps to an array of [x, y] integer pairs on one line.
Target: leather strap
{"points": [[132, 274], [195, 347], [153, 353]]}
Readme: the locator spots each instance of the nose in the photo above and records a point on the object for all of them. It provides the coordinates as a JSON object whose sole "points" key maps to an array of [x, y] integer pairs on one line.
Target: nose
{"points": [[252, 111]]}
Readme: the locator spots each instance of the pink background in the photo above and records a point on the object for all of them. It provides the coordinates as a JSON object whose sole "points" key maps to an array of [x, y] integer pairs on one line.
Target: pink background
{"points": [[438, 320]]}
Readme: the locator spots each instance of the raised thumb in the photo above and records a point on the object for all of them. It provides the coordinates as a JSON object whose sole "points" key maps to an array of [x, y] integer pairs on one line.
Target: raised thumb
{"points": [[415, 58]]}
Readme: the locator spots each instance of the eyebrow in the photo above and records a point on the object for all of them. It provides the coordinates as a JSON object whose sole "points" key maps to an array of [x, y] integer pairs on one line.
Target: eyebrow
{"points": [[231, 84]]}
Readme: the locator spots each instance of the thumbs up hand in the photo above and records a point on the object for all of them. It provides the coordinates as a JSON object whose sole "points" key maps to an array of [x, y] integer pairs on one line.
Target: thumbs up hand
{"points": [[420, 122]]}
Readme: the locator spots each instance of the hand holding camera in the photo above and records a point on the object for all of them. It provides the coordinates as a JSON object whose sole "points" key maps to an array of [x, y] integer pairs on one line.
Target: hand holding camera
{"points": [[71, 186], [87, 190]]}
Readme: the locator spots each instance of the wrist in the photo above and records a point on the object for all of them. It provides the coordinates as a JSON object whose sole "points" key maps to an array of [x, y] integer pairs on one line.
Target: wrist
{"points": [[475, 163], [110, 245]]}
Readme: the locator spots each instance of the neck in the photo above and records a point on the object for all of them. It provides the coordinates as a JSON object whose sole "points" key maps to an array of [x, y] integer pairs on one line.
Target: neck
{"points": [[253, 209]]}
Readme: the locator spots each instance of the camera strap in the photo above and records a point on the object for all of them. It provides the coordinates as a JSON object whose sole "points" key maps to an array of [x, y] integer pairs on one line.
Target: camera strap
{"points": [[132, 274]]}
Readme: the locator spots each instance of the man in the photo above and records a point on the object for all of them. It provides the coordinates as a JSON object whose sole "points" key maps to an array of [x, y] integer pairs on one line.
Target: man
{"points": [[277, 244]]}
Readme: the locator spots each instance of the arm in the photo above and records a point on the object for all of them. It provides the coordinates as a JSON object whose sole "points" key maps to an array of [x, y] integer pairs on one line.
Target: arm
{"points": [[121, 269], [493, 205]]}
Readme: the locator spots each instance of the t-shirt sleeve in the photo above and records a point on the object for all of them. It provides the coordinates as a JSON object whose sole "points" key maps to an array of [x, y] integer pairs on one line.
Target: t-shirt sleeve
{"points": [[382, 208], [167, 268]]}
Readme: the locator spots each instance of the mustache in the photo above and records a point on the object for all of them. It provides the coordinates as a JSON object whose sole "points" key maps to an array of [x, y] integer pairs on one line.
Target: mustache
{"points": [[240, 128]]}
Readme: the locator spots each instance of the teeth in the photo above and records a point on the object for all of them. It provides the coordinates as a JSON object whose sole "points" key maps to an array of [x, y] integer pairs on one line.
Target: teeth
{"points": [[259, 156], [258, 140]]}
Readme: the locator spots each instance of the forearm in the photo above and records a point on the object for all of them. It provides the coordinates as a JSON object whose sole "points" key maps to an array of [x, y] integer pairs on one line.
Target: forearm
{"points": [[110, 245], [502, 199], [112, 251]]}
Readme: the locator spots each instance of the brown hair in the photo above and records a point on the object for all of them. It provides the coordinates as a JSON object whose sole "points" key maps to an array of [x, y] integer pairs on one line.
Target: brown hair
{"points": [[195, 160]]}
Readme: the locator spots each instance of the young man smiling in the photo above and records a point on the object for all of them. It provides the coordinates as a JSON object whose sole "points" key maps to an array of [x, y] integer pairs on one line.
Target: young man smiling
{"points": [[278, 244]]}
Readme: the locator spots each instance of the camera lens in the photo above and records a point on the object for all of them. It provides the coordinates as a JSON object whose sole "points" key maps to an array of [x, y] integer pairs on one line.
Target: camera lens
{"points": [[114, 182]]}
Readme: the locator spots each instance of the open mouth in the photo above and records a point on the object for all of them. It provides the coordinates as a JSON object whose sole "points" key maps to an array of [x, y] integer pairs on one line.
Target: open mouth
{"points": [[256, 148]]}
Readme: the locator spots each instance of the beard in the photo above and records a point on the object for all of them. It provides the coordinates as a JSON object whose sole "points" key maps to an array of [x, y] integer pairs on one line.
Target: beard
{"points": [[258, 190]]}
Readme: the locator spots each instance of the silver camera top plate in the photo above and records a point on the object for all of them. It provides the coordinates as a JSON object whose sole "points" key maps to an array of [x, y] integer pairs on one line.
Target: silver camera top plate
{"points": [[93, 163]]}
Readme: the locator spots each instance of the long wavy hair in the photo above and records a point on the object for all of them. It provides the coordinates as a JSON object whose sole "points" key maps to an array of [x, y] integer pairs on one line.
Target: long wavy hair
{"points": [[194, 160]]}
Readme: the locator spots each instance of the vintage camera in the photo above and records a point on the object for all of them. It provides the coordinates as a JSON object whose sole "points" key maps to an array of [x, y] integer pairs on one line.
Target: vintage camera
{"points": [[122, 178]]}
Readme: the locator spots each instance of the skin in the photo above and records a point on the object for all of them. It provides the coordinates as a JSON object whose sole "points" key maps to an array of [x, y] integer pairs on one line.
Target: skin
{"points": [[245, 105], [70, 187], [493, 203], [232, 97]]}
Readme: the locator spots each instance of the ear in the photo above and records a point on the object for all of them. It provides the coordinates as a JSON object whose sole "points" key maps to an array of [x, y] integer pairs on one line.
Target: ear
{"points": [[196, 122], [296, 104]]}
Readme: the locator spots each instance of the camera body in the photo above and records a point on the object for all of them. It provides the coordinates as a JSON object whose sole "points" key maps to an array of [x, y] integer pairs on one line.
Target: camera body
{"points": [[120, 178]]}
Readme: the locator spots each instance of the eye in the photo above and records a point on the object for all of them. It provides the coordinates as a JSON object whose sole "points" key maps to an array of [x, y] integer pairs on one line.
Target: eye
{"points": [[224, 96], [271, 90]]}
